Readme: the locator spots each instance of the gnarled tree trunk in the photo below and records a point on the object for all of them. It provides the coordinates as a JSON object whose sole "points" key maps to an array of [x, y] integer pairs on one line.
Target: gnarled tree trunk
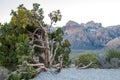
{"points": [[49, 53]]}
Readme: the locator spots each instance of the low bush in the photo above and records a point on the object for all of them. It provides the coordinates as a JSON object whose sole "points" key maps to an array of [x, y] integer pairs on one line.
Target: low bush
{"points": [[25, 73], [15, 76], [113, 58], [113, 53], [110, 60], [85, 59]]}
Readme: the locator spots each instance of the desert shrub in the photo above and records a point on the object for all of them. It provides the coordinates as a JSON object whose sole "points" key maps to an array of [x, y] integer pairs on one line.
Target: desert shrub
{"points": [[86, 59], [28, 73], [113, 58], [102, 59], [24, 73], [113, 53], [15, 76], [109, 60]]}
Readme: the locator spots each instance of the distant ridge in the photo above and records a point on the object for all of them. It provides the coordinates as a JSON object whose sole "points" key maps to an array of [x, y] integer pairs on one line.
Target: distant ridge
{"points": [[90, 35]]}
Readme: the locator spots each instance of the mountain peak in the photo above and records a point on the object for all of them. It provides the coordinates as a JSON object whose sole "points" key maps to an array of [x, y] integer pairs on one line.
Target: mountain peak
{"points": [[92, 24], [71, 23], [90, 35]]}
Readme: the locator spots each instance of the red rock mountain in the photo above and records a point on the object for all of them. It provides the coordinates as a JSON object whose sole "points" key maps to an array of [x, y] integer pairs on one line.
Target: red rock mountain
{"points": [[90, 35]]}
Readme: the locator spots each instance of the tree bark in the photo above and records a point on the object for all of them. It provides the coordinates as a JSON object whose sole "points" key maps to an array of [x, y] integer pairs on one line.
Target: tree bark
{"points": [[53, 56], [49, 53], [41, 59]]}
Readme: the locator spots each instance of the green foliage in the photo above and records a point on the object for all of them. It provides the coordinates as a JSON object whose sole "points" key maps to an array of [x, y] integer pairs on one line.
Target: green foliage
{"points": [[55, 16], [13, 46], [37, 12], [64, 48], [113, 53], [57, 35], [1, 25], [25, 73], [27, 19], [20, 18], [15, 37], [86, 59], [14, 41], [15, 76], [29, 72]]}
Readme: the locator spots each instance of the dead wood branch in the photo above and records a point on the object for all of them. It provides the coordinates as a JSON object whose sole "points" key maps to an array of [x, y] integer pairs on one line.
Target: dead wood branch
{"points": [[59, 65], [84, 66]]}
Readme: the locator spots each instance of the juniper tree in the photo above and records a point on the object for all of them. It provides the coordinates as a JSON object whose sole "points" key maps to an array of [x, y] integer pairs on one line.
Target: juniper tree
{"points": [[28, 35]]}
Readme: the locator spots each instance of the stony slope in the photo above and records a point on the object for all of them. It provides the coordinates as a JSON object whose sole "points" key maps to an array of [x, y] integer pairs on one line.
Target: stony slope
{"points": [[90, 35], [114, 43], [83, 74]]}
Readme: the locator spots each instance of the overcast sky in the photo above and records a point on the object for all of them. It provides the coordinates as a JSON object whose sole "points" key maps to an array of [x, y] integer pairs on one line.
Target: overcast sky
{"points": [[105, 11]]}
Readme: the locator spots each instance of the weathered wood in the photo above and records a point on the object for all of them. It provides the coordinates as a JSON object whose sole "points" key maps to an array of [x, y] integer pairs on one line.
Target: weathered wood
{"points": [[44, 44], [39, 46], [41, 66], [53, 56], [59, 65], [33, 65], [40, 69], [84, 66]]}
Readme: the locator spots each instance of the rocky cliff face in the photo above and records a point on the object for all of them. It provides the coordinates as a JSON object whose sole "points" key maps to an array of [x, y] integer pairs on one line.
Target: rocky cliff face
{"points": [[90, 35], [114, 43]]}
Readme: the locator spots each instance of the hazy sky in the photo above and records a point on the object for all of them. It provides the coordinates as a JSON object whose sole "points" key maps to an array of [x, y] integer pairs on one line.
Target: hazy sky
{"points": [[105, 11]]}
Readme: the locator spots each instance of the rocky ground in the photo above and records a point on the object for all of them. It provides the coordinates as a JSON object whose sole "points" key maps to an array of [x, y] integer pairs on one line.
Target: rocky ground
{"points": [[84, 74]]}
